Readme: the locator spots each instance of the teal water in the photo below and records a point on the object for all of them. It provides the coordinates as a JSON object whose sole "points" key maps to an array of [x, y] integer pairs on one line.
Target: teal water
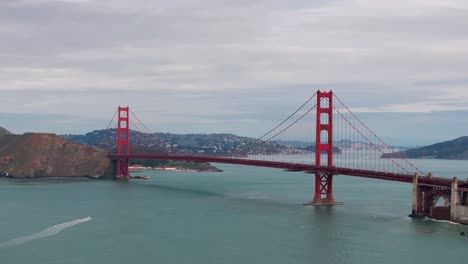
{"points": [[243, 215]]}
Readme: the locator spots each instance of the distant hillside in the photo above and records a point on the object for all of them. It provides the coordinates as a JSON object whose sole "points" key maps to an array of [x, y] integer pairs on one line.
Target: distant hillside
{"points": [[165, 143], [453, 149], [47, 155], [197, 144], [338, 145], [307, 146], [141, 143], [206, 144], [3, 132], [311, 148]]}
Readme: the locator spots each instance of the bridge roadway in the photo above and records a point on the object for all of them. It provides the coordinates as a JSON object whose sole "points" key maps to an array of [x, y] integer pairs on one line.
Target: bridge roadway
{"points": [[408, 178]]}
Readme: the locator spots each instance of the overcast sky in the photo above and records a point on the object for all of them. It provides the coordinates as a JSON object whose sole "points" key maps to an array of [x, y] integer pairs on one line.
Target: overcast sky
{"points": [[209, 66]]}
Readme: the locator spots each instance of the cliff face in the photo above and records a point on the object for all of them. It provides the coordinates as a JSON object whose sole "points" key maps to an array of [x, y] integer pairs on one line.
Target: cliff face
{"points": [[47, 155]]}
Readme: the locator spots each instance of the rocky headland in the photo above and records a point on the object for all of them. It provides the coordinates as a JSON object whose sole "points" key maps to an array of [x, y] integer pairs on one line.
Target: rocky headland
{"points": [[47, 155]]}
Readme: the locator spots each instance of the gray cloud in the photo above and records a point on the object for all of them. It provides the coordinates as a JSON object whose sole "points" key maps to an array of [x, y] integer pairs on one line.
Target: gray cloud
{"points": [[186, 63]]}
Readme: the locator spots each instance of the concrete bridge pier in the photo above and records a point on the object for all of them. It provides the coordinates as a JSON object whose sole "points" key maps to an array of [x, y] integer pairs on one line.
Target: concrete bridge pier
{"points": [[454, 200], [458, 204], [423, 196], [323, 190], [417, 198]]}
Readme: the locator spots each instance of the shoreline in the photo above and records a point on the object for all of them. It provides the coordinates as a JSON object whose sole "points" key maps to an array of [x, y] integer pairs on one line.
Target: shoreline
{"points": [[171, 169]]}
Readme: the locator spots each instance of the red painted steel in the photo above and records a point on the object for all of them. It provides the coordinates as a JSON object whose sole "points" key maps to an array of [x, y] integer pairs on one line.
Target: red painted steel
{"points": [[407, 178], [324, 144], [123, 142]]}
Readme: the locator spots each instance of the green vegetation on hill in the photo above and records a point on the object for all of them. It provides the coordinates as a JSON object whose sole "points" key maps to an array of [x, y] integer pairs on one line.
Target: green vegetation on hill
{"points": [[453, 149]]}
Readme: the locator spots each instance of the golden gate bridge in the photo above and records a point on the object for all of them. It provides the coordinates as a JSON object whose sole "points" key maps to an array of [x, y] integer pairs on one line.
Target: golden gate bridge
{"points": [[318, 124]]}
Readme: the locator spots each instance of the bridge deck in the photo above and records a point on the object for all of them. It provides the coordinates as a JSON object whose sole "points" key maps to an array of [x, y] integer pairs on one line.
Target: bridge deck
{"points": [[442, 182]]}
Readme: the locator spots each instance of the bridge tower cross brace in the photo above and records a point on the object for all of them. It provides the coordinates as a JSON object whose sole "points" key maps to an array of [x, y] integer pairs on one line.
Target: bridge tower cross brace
{"points": [[324, 145], [123, 142]]}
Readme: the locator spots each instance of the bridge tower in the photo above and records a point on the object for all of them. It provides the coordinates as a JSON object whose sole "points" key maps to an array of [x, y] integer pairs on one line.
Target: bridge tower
{"points": [[123, 142], [324, 146]]}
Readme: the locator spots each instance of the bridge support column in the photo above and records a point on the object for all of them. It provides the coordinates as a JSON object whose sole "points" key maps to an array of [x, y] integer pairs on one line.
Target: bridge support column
{"points": [[123, 142], [323, 191], [122, 169], [454, 200], [417, 198], [324, 146]]}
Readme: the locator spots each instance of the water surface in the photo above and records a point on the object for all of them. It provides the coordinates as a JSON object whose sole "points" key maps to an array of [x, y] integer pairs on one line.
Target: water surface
{"points": [[243, 215]]}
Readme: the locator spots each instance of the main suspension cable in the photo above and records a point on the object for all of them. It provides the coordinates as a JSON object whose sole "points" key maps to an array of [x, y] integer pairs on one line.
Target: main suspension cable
{"points": [[115, 114]]}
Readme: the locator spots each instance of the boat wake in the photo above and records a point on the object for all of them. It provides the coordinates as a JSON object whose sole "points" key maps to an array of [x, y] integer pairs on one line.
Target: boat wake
{"points": [[51, 231], [440, 221]]}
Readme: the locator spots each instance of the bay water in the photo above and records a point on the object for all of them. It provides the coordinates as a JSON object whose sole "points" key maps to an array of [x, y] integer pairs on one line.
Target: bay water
{"points": [[242, 215]]}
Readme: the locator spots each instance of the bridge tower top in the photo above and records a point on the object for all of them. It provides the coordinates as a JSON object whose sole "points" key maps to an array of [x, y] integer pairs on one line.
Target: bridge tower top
{"points": [[324, 128], [123, 131]]}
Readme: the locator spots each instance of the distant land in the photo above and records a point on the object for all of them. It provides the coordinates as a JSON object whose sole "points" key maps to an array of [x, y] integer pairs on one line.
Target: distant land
{"points": [[206, 144], [338, 146], [456, 149], [194, 144], [191, 144], [203, 144]]}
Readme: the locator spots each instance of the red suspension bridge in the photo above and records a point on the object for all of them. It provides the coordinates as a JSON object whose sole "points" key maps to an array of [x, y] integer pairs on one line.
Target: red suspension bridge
{"points": [[313, 133]]}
